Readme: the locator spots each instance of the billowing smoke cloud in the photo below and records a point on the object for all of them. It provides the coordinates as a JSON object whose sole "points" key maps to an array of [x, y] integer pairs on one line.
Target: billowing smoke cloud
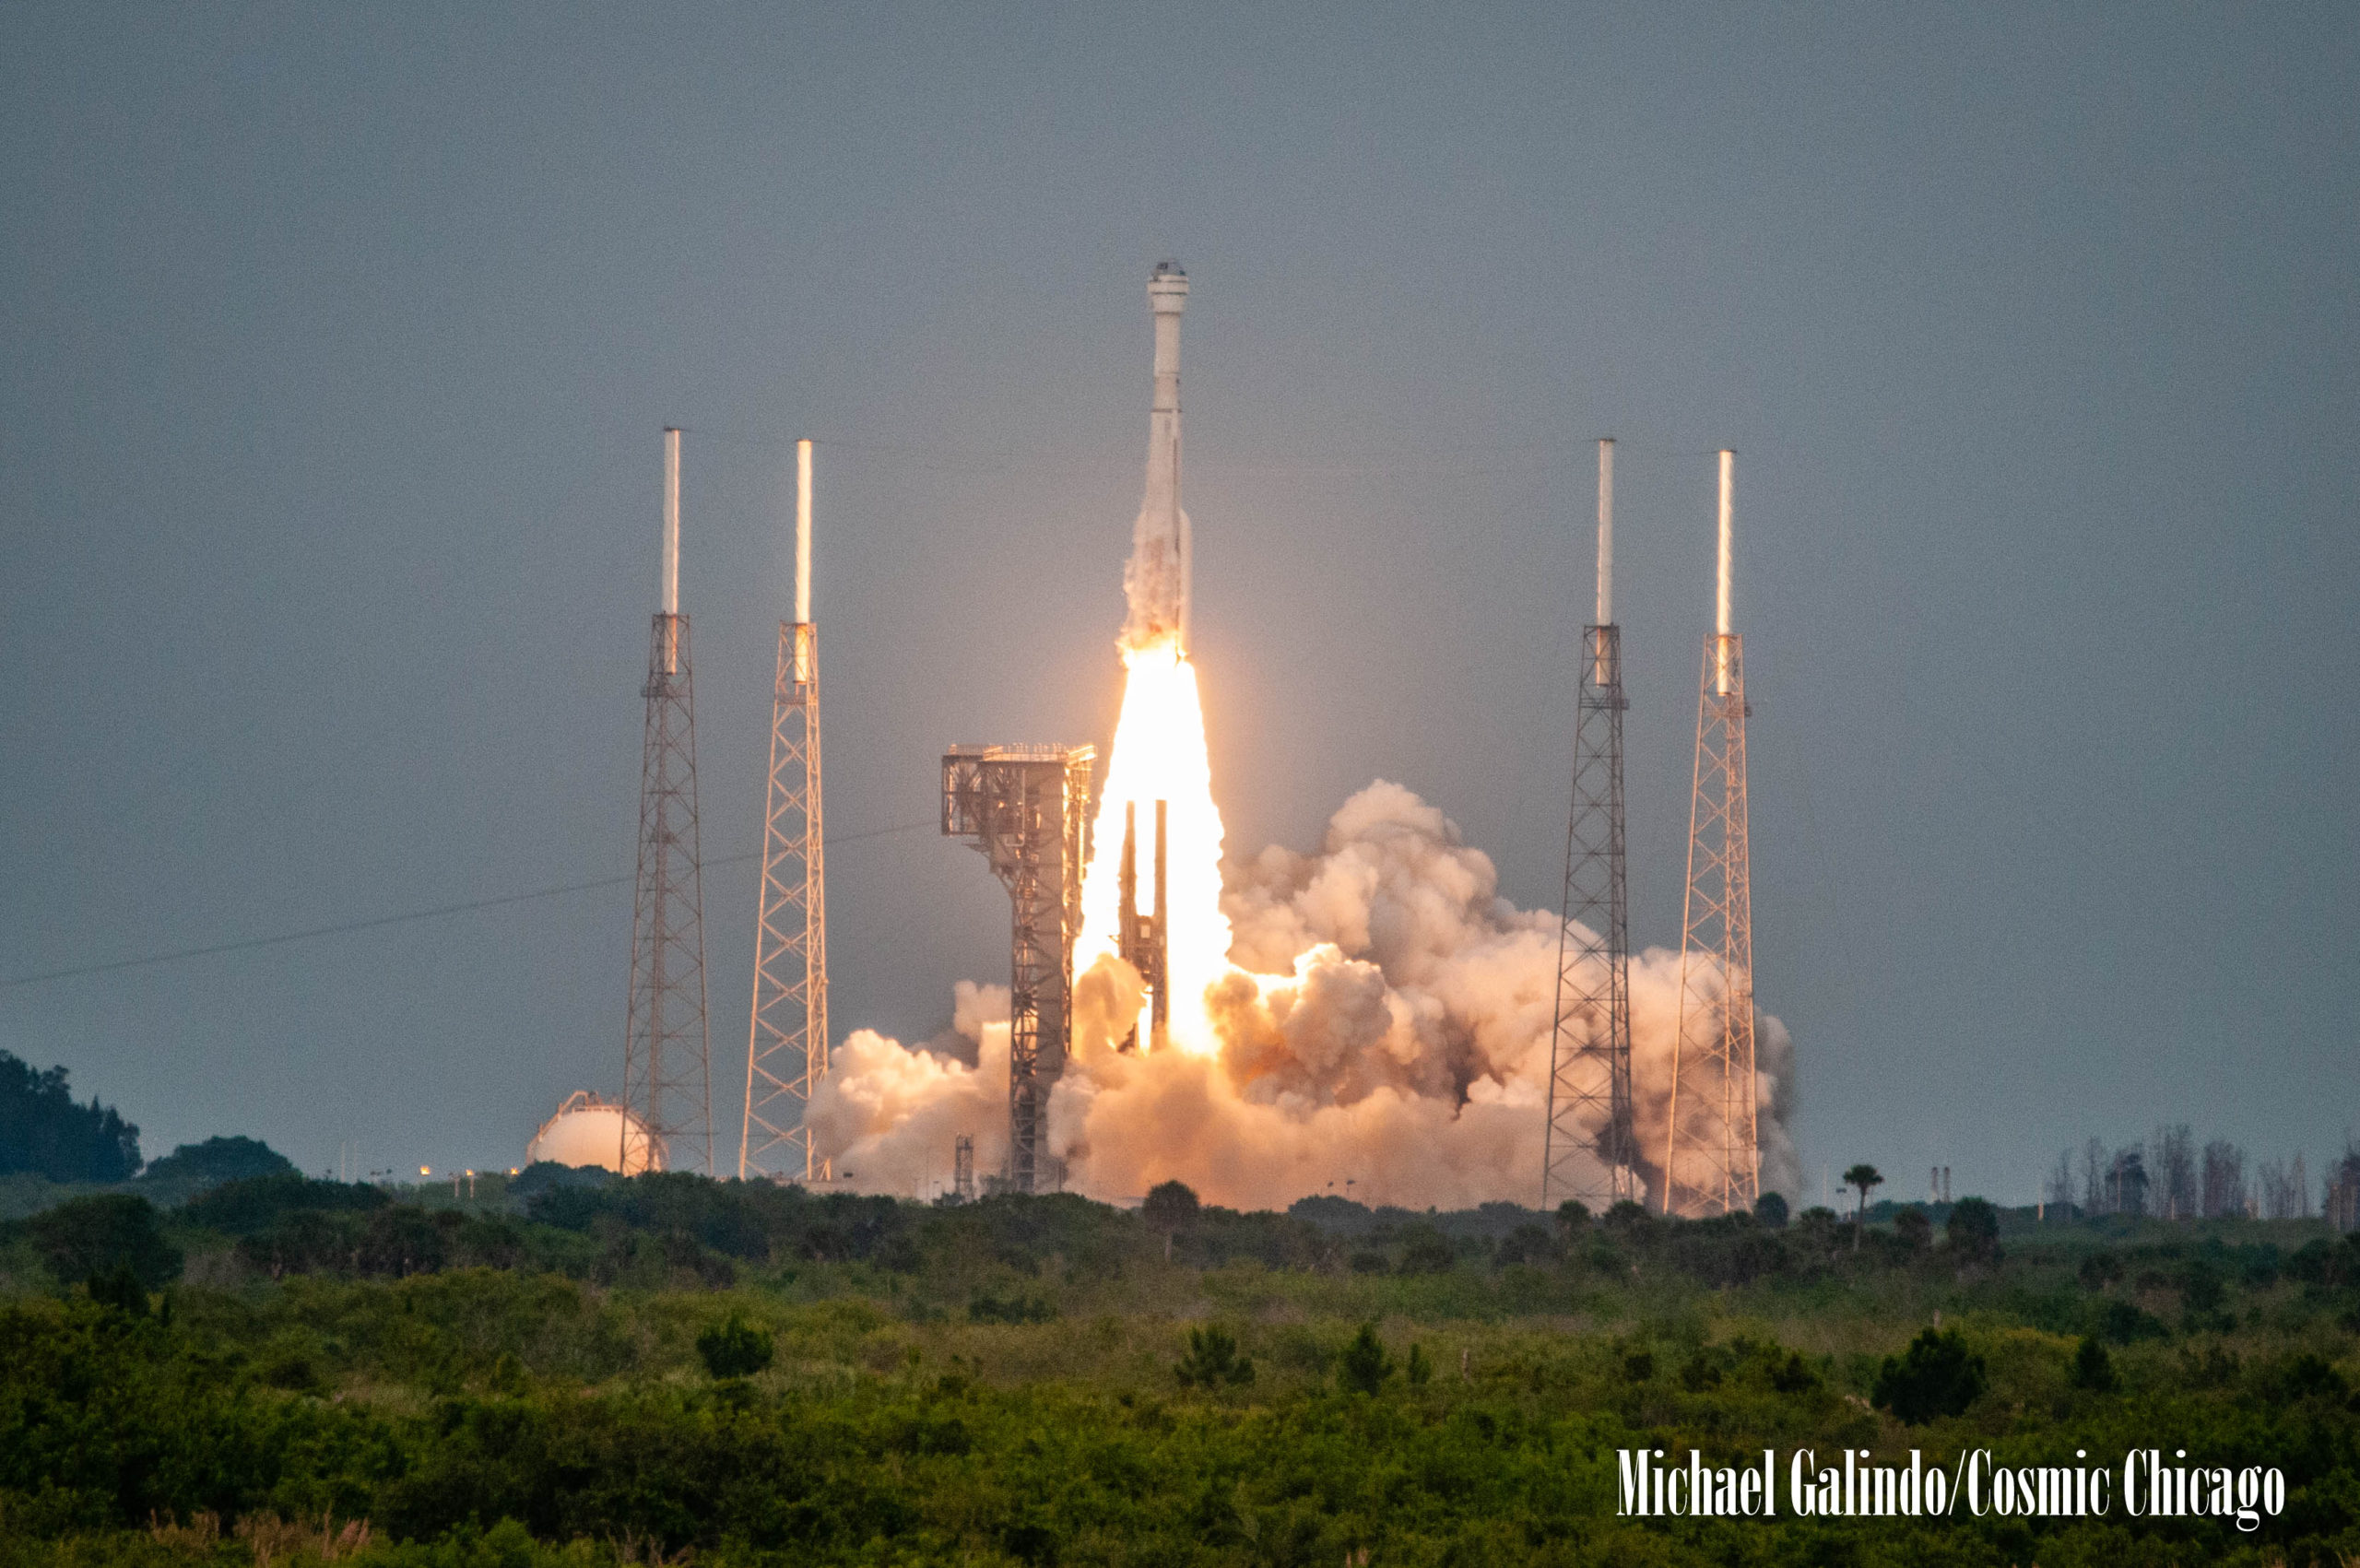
{"points": [[1387, 1024]]}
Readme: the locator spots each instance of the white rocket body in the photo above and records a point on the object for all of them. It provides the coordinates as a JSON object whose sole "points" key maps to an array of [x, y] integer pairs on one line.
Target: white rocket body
{"points": [[1156, 583]]}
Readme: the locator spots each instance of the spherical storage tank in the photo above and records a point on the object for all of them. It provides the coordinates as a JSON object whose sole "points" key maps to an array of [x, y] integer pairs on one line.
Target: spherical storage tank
{"points": [[587, 1130]]}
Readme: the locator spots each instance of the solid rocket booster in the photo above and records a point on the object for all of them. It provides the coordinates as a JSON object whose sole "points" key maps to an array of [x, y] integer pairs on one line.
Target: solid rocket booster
{"points": [[1156, 583]]}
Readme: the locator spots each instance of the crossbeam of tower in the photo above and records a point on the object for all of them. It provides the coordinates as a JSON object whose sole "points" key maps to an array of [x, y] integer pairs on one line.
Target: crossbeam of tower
{"points": [[1027, 809], [667, 1068], [1712, 1151], [1588, 1151], [787, 1046]]}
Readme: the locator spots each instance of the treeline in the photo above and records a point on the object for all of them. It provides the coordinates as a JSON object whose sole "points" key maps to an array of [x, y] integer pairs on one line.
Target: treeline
{"points": [[994, 1260]]}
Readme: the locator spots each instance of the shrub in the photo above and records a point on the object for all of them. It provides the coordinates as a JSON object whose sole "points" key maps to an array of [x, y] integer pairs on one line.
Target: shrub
{"points": [[1525, 1243], [1793, 1375], [2093, 1369], [91, 1237], [1937, 1376], [1630, 1221], [1428, 1252], [1421, 1369], [119, 1288], [1212, 1359], [989, 1308], [1364, 1366], [1973, 1229], [1699, 1372], [735, 1348], [1913, 1229], [250, 1204], [2307, 1376], [2123, 1322]]}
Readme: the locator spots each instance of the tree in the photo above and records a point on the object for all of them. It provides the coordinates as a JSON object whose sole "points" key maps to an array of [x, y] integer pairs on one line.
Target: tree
{"points": [[1973, 1229], [1427, 1251], [1421, 1369], [735, 1348], [1170, 1206], [1573, 1217], [91, 1237], [218, 1160], [1364, 1365], [1937, 1376], [1770, 1209], [43, 1132], [1861, 1178]]}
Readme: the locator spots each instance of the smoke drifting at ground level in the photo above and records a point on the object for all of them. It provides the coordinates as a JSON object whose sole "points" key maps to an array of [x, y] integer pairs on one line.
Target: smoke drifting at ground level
{"points": [[1386, 1023]]}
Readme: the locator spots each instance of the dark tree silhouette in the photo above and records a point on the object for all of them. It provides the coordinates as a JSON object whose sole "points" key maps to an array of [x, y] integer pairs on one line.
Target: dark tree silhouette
{"points": [[1169, 1207], [1861, 1178], [42, 1131]]}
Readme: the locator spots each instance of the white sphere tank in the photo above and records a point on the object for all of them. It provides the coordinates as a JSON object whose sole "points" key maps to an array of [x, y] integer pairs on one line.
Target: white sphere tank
{"points": [[587, 1130]]}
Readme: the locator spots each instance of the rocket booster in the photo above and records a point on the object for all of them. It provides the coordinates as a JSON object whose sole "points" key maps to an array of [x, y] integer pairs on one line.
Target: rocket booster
{"points": [[1156, 583]]}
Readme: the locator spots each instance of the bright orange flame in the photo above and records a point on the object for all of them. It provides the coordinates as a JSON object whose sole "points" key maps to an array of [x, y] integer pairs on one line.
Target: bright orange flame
{"points": [[1159, 754]]}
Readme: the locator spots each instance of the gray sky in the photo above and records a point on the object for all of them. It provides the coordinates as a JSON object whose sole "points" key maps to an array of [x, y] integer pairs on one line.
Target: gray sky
{"points": [[339, 340]]}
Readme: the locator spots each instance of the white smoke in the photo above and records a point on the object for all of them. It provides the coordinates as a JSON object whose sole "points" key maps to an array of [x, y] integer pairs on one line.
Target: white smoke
{"points": [[1387, 1024]]}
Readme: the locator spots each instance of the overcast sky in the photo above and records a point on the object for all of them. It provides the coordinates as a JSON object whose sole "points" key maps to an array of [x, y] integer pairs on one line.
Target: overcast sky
{"points": [[339, 340]]}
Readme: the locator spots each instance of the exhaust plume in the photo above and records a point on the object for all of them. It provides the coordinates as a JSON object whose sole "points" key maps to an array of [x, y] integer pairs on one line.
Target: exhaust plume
{"points": [[1383, 1018]]}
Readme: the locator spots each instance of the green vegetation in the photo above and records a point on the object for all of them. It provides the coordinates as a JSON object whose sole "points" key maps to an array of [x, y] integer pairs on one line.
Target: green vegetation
{"points": [[583, 1371]]}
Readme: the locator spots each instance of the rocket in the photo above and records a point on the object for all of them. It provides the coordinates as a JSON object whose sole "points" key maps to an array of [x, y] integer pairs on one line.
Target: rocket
{"points": [[1156, 582]]}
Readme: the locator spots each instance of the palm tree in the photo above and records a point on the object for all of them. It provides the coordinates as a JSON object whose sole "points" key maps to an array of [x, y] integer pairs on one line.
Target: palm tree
{"points": [[1861, 1178]]}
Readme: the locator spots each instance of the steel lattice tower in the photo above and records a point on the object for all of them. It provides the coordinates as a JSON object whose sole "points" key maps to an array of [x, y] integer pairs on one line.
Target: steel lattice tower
{"points": [[786, 1046], [1712, 1159], [1589, 1150], [1027, 807], [667, 1049]]}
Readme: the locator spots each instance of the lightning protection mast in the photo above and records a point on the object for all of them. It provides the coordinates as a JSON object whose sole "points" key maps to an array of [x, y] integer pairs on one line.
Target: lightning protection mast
{"points": [[787, 1046], [1712, 1156], [1588, 1151], [667, 1063]]}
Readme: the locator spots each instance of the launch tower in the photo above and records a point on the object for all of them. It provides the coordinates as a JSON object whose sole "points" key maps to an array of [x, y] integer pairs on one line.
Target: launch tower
{"points": [[1712, 1156], [1027, 807], [1588, 1151], [667, 1048], [787, 1045]]}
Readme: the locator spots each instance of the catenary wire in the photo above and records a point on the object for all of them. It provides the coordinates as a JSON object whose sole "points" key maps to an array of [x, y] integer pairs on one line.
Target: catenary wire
{"points": [[250, 943]]}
